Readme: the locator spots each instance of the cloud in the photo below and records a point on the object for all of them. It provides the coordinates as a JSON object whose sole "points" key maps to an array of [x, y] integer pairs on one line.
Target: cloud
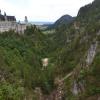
{"points": [[42, 10]]}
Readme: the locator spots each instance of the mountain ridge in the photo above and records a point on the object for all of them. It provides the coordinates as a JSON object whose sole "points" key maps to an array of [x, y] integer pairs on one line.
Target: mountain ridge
{"points": [[65, 19]]}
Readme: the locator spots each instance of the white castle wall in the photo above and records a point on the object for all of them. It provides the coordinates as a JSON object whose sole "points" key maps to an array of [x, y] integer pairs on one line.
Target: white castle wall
{"points": [[20, 27], [11, 24], [8, 25]]}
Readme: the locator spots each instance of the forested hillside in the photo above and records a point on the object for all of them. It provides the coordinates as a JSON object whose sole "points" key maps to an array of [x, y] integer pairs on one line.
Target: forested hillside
{"points": [[20, 64]]}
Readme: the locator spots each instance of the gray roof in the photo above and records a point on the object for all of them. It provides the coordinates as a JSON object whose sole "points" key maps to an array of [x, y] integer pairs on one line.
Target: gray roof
{"points": [[9, 18], [2, 18]]}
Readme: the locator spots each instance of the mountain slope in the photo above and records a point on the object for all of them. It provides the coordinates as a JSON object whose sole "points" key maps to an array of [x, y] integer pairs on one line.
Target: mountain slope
{"points": [[64, 20]]}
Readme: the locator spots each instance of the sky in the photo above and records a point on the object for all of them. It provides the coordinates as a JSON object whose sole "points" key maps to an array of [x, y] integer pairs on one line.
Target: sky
{"points": [[41, 10]]}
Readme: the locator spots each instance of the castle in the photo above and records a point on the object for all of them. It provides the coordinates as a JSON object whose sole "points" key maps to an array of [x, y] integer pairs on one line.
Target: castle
{"points": [[9, 23]]}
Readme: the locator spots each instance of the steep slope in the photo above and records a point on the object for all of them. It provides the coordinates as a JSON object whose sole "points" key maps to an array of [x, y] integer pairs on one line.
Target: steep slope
{"points": [[20, 64]]}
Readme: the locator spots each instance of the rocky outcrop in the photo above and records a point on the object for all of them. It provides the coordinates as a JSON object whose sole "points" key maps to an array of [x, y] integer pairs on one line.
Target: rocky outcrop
{"points": [[79, 85], [91, 53]]}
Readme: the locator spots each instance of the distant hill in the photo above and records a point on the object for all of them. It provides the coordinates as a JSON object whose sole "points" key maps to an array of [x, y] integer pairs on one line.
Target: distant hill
{"points": [[64, 20]]}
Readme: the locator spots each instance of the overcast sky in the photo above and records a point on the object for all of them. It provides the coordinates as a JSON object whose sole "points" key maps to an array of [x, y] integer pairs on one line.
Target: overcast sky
{"points": [[41, 10]]}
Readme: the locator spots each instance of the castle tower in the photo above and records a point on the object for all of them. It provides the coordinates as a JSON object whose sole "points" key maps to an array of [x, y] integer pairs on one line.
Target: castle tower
{"points": [[5, 16], [26, 20], [0, 12]]}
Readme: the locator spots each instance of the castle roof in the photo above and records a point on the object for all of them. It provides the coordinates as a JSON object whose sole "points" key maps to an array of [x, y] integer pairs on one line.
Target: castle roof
{"points": [[2, 18], [9, 18]]}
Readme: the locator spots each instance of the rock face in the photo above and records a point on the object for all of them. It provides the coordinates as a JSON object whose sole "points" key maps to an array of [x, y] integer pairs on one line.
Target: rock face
{"points": [[79, 86], [75, 88], [91, 53]]}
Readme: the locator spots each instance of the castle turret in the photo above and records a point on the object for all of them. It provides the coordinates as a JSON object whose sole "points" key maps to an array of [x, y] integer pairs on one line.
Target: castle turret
{"points": [[26, 20], [0, 12], [5, 16]]}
